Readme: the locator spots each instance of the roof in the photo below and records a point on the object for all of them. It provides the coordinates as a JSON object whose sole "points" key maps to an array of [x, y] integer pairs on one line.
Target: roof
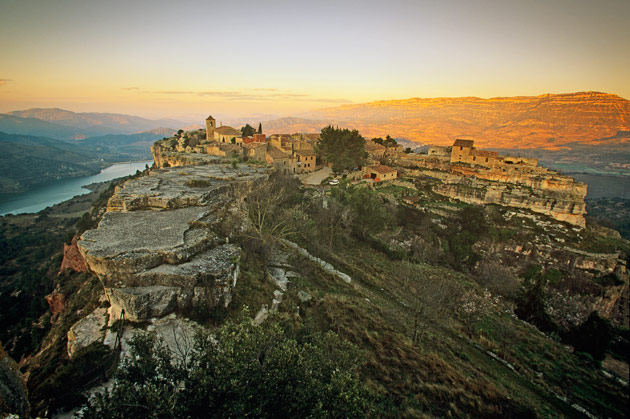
{"points": [[305, 153], [463, 143], [371, 145], [210, 117], [227, 130], [382, 169], [484, 153], [276, 153], [253, 145]]}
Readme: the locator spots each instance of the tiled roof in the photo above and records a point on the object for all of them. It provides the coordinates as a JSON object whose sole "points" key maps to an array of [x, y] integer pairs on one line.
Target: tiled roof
{"points": [[463, 143], [370, 145], [275, 153], [484, 153], [253, 145], [382, 169], [305, 153], [227, 130]]}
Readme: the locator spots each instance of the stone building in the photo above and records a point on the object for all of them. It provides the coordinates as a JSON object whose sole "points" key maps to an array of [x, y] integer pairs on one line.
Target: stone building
{"points": [[380, 173], [227, 134], [304, 161], [375, 151], [463, 151], [211, 124], [278, 158], [255, 151]]}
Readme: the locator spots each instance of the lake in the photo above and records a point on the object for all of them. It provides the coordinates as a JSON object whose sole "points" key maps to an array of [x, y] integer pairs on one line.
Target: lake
{"points": [[53, 193]]}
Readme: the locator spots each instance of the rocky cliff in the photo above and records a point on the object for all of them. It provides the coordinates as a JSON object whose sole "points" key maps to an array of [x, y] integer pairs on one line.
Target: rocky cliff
{"points": [[526, 187], [545, 121], [156, 251], [164, 155]]}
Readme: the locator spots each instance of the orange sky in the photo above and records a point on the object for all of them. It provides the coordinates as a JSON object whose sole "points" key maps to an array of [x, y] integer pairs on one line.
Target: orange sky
{"points": [[187, 59]]}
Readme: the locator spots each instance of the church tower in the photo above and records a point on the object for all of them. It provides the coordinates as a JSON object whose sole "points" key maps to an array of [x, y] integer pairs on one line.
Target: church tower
{"points": [[211, 124]]}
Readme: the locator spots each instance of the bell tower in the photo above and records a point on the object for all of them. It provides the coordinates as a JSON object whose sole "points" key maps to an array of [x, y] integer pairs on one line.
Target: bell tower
{"points": [[211, 124]]}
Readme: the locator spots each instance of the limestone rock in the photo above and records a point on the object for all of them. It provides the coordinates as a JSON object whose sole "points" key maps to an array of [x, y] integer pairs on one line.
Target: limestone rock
{"points": [[155, 250], [142, 303], [87, 330]]}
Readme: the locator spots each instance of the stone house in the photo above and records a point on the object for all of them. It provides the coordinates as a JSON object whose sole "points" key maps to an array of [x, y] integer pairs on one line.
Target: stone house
{"points": [[278, 158], [281, 142], [227, 134], [304, 161], [255, 151], [463, 151], [380, 173], [375, 151]]}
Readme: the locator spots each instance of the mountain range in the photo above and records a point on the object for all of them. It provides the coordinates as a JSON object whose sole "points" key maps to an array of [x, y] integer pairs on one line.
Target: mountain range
{"points": [[550, 121], [67, 125]]}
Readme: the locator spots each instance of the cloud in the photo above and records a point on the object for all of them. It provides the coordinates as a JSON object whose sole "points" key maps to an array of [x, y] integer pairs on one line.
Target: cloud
{"points": [[261, 94], [4, 81], [172, 92]]}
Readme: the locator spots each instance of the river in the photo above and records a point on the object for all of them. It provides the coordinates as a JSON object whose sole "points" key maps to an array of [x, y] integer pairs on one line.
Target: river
{"points": [[53, 193]]}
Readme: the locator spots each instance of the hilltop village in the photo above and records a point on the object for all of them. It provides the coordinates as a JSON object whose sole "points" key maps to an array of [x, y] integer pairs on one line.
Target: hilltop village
{"points": [[461, 172], [384, 250]]}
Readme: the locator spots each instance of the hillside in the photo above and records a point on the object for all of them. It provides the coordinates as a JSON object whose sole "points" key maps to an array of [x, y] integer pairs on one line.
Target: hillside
{"points": [[437, 337], [27, 161], [547, 121], [63, 124], [123, 147]]}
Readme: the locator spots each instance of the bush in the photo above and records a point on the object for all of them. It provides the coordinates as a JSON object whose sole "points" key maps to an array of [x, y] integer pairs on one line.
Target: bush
{"points": [[245, 369]]}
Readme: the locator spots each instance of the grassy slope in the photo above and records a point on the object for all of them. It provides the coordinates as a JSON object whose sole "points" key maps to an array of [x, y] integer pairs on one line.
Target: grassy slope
{"points": [[448, 371]]}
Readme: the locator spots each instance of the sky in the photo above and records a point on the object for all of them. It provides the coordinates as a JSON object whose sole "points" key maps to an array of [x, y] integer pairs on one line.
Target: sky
{"points": [[185, 59]]}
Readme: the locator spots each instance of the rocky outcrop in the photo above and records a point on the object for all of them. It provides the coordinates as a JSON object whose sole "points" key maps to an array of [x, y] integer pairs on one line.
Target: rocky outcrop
{"points": [[156, 250], [164, 155], [13, 394], [72, 258], [561, 205], [527, 187], [86, 331]]}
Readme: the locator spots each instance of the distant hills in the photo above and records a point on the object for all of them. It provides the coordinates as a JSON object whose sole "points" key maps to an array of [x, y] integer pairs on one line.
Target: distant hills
{"points": [[547, 121], [67, 125], [27, 161]]}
